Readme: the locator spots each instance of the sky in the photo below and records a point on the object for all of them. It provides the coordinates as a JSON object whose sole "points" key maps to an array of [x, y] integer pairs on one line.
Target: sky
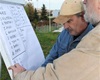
{"points": [[49, 4]]}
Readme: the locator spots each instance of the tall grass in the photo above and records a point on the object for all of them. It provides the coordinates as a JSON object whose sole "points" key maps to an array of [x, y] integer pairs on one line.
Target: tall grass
{"points": [[46, 40]]}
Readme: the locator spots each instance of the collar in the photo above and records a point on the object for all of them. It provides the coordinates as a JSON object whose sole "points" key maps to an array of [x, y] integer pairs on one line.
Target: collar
{"points": [[89, 28]]}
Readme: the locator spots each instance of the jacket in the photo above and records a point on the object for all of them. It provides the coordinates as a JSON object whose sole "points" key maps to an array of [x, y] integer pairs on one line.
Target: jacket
{"points": [[81, 63], [65, 43]]}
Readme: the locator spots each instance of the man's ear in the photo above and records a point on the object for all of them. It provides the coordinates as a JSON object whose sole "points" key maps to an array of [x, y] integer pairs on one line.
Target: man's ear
{"points": [[82, 16]]}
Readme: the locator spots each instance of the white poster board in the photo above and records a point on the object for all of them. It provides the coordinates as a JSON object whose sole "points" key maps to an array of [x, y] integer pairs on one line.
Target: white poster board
{"points": [[14, 1], [18, 41], [0, 65]]}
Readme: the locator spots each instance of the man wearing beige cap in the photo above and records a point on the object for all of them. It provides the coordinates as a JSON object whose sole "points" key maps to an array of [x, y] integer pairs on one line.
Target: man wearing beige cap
{"points": [[77, 64], [71, 16]]}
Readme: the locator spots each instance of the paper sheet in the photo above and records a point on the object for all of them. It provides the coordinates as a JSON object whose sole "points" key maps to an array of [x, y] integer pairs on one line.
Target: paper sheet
{"points": [[18, 37]]}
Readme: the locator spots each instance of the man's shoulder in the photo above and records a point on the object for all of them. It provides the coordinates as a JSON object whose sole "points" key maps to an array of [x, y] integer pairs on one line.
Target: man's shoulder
{"points": [[64, 33], [90, 25]]}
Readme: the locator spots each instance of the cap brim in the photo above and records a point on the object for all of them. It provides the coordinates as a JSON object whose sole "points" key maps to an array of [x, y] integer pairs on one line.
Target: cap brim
{"points": [[61, 19]]}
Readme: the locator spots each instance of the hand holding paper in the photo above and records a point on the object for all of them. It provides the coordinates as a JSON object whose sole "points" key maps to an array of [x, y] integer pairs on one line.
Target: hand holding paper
{"points": [[16, 69]]}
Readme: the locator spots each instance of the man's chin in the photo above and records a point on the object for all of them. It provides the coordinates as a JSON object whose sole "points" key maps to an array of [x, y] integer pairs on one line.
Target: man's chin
{"points": [[91, 18]]}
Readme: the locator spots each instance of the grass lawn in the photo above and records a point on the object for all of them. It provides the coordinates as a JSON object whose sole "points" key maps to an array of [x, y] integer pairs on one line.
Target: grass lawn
{"points": [[46, 40]]}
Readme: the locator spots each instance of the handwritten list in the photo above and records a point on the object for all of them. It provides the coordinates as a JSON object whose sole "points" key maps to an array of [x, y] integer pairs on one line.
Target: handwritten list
{"points": [[18, 36]]}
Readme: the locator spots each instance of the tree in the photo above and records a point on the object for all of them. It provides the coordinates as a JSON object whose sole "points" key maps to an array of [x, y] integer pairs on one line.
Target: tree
{"points": [[35, 15], [35, 18], [44, 15], [29, 10]]}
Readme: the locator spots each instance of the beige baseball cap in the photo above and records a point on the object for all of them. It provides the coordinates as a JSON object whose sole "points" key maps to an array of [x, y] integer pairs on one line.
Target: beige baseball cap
{"points": [[69, 8]]}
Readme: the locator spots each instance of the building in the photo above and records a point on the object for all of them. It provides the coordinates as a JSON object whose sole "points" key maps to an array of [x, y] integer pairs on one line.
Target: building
{"points": [[55, 13]]}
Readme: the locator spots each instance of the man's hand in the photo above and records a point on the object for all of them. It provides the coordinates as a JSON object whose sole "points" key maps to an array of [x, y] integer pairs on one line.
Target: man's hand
{"points": [[16, 69]]}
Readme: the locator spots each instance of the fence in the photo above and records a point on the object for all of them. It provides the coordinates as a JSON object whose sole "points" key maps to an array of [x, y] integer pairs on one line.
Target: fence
{"points": [[46, 28]]}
